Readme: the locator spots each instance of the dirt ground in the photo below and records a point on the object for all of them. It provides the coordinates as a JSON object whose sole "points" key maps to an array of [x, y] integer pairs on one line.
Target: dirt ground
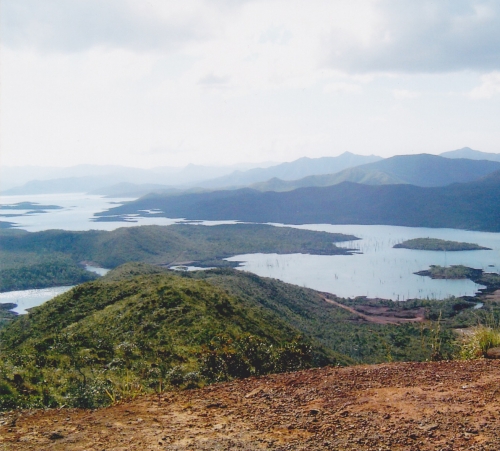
{"points": [[405, 406], [495, 296], [380, 314]]}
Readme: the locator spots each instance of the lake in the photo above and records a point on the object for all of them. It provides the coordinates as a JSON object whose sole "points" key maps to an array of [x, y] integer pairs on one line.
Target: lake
{"points": [[378, 271]]}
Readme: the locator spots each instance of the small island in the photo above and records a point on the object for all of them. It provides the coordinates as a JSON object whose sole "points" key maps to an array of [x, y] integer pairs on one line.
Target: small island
{"points": [[435, 244], [32, 206], [451, 272]]}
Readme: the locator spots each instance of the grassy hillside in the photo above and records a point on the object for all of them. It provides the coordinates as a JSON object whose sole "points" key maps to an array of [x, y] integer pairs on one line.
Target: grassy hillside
{"points": [[474, 206], [122, 335], [142, 328], [50, 258]]}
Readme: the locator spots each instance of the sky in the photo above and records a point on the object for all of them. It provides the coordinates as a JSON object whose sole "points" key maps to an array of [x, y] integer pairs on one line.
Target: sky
{"points": [[216, 82]]}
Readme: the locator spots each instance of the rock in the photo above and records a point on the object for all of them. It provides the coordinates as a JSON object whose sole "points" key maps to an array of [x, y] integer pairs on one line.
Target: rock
{"points": [[493, 353], [254, 393], [55, 436]]}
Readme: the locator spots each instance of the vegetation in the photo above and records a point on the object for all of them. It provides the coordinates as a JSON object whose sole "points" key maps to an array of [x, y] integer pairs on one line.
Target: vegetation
{"points": [[473, 206], [6, 315], [43, 275], [109, 339], [434, 244], [477, 343], [35, 260], [450, 272], [490, 280], [143, 328]]}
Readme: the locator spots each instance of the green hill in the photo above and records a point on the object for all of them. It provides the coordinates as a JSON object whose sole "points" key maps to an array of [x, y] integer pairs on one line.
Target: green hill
{"points": [[142, 328], [123, 334], [51, 258]]}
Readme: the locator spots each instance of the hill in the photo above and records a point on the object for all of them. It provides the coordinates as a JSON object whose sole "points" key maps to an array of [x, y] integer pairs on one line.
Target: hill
{"points": [[474, 205], [357, 175], [105, 339], [419, 170], [290, 171], [427, 406], [54, 257], [141, 328], [85, 178], [467, 152]]}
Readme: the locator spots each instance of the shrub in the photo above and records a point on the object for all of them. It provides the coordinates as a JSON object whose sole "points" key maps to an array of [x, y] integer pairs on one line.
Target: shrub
{"points": [[476, 344]]}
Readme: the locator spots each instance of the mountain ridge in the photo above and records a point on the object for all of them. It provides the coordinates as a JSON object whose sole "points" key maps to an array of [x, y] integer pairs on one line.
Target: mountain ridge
{"points": [[474, 205]]}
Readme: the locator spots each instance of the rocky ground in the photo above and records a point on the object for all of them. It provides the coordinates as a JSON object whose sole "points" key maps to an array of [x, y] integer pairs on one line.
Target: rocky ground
{"points": [[406, 406]]}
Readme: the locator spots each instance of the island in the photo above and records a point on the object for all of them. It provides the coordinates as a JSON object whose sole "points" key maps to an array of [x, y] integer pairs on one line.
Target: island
{"points": [[435, 244], [453, 272], [490, 280]]}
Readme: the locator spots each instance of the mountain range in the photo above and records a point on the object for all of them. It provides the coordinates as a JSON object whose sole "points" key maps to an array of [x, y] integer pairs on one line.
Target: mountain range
{"points": [[119, 181], [419, 170], [473, 205]]}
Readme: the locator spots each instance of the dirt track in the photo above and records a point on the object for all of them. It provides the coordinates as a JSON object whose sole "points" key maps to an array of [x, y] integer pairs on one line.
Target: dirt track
{"points": [[380, 315], [408, 406]]}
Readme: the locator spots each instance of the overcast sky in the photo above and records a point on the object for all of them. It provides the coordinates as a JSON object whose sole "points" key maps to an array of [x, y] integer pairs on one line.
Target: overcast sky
{"points": [[148, 83]]}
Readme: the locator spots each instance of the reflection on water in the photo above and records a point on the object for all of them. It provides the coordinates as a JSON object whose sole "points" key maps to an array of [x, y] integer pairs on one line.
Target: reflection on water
{"points": [[380, 270]]}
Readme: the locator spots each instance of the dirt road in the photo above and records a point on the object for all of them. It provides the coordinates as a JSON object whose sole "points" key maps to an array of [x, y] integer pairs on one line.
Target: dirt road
{"points": [[406, 406]]}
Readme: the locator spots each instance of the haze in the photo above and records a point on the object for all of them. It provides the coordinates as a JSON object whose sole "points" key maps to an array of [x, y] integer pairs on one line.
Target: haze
{"points": [[165, 83]]}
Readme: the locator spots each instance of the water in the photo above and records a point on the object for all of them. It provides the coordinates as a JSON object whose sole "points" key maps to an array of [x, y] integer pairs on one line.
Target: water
{"points": [[380, 270], [77, 213], [97, 270], [26, 299]]}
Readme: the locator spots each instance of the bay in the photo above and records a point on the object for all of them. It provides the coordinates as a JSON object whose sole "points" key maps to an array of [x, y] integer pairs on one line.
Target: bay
{"points": [[379, 270]]}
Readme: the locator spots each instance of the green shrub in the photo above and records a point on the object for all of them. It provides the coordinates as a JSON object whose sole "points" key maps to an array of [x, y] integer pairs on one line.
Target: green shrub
{"points": [[475, 344]]}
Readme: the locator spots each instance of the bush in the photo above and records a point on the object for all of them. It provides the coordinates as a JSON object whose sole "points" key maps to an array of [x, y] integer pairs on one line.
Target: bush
{"points": [[476, 344]]}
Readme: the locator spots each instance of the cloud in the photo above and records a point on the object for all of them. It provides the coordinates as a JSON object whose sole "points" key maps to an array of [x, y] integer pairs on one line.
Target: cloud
{"points": [[402, 94], [489, 87], [425, 36], [79, 25], [212, 80], [348, 88]]}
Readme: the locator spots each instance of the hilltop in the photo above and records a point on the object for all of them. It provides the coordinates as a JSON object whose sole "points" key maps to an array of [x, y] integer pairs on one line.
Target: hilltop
{"points": [[425, 406]]}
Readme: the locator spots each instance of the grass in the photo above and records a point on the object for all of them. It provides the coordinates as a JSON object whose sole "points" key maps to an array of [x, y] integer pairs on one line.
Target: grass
{"points": [[476, 344]]}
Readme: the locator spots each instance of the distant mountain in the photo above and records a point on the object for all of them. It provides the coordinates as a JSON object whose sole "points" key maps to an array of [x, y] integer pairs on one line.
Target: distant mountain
{"points": [[297, 169], [357, 175], [467, 152], [126, 189], [419, 170], [473, 205], [83, 178]]}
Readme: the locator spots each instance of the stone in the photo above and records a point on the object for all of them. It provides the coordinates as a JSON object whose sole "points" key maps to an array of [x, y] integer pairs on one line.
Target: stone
{"points": [[493, 353]]}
